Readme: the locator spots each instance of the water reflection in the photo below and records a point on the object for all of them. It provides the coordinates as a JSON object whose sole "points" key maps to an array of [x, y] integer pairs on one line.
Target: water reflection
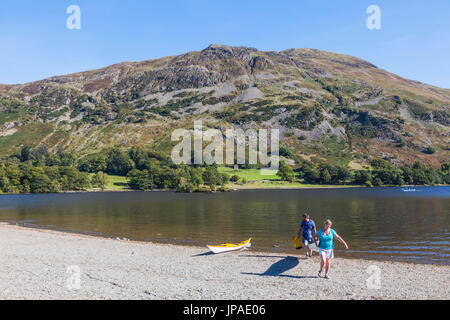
{"points": [[377, 223]]}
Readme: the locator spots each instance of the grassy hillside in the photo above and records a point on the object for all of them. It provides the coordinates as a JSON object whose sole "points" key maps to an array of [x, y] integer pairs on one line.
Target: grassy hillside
{"points": [[330, 108]]}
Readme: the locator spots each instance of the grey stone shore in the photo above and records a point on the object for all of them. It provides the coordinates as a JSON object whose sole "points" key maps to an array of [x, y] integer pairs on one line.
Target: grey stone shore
{"points": [[43, 264]]}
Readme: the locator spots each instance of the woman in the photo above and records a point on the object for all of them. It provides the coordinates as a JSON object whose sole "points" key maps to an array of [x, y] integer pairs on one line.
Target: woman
{"points": [[307, 232], [325, 237]]}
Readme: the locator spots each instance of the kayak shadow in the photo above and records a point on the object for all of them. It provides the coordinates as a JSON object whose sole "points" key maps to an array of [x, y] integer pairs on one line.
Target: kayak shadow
{"points": [[278, 268], [209, 253]]}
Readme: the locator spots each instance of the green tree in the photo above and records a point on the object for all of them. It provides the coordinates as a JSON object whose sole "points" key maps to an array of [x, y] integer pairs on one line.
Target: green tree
{"points": [[445, 172], [309, 172], [72, 179], [363, 177], [285, 172], [118, 162], [100, 180], [139, 180], [419, 175], [25, 153], [342, 175], [445, 167], [4, 181], [429, 150], [93, 163], [325, 176], [40, 182], [40, 154], [211, 177], [14, 176], [387, 173], [235, 178], [224, 179], [377, 182], [196, 176], [285, 152], [408, 174]]}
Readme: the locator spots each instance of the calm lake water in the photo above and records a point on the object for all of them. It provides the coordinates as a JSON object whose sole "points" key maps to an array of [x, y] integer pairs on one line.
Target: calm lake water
{"points": [[383, 223]]}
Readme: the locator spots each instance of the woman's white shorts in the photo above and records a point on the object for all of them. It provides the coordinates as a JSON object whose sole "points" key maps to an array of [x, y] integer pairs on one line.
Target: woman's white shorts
{"points": [[327, 254]]}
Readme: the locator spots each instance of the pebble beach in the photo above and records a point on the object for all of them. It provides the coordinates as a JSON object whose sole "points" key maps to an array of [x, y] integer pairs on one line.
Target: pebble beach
{"points": [[44, 264]]}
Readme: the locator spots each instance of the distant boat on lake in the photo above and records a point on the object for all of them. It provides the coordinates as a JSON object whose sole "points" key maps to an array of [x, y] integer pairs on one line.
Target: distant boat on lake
{"points": [[409, 190]]}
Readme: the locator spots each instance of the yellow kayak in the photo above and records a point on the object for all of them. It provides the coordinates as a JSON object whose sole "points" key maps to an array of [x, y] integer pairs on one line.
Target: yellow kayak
{"points": [[227, 247]]}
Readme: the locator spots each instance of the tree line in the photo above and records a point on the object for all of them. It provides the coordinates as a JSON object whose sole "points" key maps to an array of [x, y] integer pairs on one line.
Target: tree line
{"points": [[381, 173], [36, 170]]}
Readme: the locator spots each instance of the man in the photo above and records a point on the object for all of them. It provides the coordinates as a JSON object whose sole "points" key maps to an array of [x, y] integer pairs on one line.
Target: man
{"points": [[307, 232]]}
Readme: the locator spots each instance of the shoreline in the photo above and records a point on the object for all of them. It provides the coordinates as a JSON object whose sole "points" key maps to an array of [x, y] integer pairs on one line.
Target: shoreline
{"points": [[35, 263], [234, 188], [155, 242]]}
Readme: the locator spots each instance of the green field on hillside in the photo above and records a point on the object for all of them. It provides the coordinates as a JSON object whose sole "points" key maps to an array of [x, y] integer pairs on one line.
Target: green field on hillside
{"points": [[255, 180], [115, 183], [248, 174]]}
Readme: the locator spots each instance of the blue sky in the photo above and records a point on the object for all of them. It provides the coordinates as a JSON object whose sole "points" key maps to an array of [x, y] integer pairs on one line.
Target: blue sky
{"points": [[414, 41]]}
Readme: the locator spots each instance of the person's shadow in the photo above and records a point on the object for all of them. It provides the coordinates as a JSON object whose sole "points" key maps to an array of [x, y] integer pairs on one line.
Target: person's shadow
{"points": [[278, 268]]}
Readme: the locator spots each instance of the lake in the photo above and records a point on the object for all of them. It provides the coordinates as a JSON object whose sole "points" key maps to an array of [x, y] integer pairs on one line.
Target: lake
{"points": [[378, 223]]}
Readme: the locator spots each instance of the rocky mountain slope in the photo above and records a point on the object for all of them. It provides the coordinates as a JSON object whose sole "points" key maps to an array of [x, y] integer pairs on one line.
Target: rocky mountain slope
{"points": [[329, 107]]}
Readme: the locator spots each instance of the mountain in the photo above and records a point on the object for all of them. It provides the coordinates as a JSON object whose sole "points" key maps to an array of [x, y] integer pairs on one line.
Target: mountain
{"points": [[329, 107]]}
